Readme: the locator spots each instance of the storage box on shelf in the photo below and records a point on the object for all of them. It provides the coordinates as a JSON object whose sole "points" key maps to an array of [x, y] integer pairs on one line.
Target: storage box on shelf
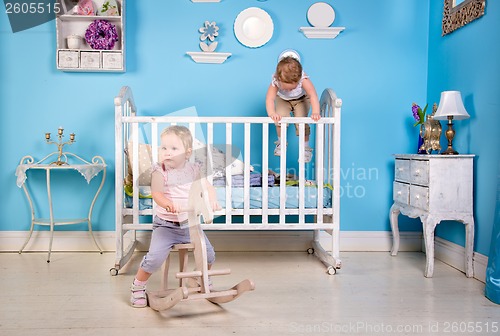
{"points": [[77, 54]]}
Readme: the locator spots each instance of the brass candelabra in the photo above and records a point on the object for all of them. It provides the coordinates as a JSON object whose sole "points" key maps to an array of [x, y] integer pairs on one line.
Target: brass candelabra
{"points": [[60, 144]]}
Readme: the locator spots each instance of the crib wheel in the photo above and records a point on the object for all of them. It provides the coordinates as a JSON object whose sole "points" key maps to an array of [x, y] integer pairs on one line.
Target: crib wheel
{"points": [[113, 271], [331, 270], [310, 250]]}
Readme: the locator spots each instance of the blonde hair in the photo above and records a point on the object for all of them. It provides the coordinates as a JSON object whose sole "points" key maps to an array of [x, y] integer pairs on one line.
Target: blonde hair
{"points": [[183, 133], [289, 70]]}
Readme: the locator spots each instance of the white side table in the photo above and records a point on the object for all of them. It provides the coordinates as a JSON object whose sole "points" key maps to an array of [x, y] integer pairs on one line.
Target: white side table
{"points": [[434, 188], [87, 169]]}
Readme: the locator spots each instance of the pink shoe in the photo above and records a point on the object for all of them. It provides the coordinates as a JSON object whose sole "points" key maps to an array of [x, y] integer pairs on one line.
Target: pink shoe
{"points": [[138, 298]]}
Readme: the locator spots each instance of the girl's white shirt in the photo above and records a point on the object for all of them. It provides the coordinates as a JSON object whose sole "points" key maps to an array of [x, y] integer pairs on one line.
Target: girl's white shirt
{"points": [[296, 93]]}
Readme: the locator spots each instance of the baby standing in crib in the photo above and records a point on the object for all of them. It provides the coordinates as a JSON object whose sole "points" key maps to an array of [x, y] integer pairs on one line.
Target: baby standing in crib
{"points": [[291, 90], [171, 181]]}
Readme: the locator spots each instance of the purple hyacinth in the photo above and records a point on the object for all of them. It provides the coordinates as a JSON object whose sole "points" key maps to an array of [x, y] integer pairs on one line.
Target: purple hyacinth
{"points": [[414, 110]]}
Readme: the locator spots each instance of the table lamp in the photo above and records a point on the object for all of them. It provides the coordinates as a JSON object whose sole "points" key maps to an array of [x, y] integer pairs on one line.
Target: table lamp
{"points": [[450, 107]]}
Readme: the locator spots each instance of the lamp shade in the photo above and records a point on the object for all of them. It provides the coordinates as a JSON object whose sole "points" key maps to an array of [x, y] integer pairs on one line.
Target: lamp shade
{"points": [[451, 105]]}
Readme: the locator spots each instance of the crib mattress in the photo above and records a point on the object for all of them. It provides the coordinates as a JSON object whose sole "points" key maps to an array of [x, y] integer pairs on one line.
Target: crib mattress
{"points": [[292, 198]]}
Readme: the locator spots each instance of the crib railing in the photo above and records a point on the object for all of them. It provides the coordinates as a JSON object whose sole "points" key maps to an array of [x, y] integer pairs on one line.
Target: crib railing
{"points": [[325, 172]]}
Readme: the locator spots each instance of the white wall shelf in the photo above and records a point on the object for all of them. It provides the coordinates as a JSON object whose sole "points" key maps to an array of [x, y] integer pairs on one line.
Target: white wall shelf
{"points": [[84, 58], [321, 32], [208, 57]]}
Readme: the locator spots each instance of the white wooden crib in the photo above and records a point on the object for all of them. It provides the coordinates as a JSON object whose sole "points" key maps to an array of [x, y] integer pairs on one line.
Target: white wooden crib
{"points": [[313, 198]]}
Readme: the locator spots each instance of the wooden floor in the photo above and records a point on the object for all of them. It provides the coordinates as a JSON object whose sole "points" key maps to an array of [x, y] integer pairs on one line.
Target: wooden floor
{"points": [[373, 294]]}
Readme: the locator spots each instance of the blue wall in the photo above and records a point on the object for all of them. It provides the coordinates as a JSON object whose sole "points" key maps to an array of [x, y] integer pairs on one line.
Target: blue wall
{"points": [[378, 66], [468, 60]]}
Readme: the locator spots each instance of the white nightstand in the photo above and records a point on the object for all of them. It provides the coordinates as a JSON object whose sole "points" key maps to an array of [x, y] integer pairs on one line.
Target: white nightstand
{"points": [[434, 188]]}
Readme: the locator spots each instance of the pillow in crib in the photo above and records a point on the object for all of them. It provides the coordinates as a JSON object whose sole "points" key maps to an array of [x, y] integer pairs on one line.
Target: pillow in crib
{"points": [[145, 164], [218, 168]]}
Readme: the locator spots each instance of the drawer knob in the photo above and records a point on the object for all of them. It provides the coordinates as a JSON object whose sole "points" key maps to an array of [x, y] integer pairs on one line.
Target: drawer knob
{"points": [[399, 192], [417, 196]]}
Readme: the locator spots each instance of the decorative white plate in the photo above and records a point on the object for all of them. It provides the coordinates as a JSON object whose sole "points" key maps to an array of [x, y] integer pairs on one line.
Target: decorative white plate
{"points": [[320, 14], [253, 27]]}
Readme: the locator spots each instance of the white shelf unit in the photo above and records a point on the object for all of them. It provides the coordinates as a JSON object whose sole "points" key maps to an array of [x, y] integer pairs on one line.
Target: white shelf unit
{"points": [[86, 59]]}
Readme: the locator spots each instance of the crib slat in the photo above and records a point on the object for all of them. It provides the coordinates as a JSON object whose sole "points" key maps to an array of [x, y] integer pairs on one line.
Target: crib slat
{"points": [[301, 172], [135, 172], [283, 171], [154, 149], [265, 172], [229, 182], [192, 129], [154, 141], [246, 175], [332, 143], [335, 155], [319, 170]]}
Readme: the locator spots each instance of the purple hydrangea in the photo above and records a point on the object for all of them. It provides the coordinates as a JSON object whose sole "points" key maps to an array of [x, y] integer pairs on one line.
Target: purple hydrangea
{"points": [[101, 35]]}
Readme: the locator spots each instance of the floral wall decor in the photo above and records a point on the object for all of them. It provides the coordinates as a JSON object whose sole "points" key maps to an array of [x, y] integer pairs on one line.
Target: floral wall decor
{"points": [[209, 31]]}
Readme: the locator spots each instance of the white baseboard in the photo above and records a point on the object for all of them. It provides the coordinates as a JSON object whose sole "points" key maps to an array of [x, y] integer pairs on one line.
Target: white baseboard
{"points": [[81, 241], [454, 255], [353, 241]]}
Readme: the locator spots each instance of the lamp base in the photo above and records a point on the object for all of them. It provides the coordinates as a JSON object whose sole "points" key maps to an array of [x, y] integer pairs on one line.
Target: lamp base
{"points": [[449, 151], [450, 134]]}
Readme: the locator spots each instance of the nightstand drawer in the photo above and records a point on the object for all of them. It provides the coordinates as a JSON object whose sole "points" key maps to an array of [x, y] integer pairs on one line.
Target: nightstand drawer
{"points": [[401, 192], [419, 197], [420, 172], [402, 170]]}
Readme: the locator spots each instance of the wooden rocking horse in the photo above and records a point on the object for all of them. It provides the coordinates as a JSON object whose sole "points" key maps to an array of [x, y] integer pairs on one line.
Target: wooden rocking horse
{"points": [[194, 285]]}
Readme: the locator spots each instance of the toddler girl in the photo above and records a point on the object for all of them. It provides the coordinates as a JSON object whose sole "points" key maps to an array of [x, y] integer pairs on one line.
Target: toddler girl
{"points": [[291, 90], [171, 181]]}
